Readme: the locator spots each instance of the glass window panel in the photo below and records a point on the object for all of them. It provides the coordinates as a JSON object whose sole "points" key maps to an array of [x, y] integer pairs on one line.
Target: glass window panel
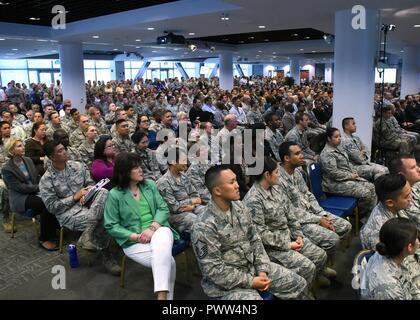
{"points": [[89, 64], [155, 74], [90, 75], [128, 74], [57, 76], [167, 64], [127, 64], [12, 64], [147, 74], [177, 74], [171, 73], [45, 77], [56, 64], [154, 64], [104, 64], [163, 74], [39, 63], [188, 64], [136, 64], [33, 77], [20, 76], [103, 75]]}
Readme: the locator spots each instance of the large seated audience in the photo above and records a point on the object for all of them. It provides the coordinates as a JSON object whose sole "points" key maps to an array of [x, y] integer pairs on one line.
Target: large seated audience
{"points": [[179, 161]]}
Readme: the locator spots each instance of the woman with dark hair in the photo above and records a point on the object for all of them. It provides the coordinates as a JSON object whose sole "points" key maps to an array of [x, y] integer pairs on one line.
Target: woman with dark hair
{"points": [[341, 178], [278, 227], [87, 148], [143, 123], [22, 180], [148, 162], [34, 147], [103, 163], [137, 217], [384, 278]]}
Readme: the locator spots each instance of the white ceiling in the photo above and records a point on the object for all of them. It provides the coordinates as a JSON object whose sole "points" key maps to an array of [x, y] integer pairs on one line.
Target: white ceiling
{"points": [[120, 31]]}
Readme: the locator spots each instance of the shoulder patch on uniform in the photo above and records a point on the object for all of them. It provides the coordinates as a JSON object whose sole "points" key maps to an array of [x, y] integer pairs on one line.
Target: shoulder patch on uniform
{"points": [[202, 249]]}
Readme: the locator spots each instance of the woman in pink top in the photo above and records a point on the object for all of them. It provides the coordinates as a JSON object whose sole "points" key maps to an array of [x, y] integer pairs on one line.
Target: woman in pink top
{"points": [[103, 163]]}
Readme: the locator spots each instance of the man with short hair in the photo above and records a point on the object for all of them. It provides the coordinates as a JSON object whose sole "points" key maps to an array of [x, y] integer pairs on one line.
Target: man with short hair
{"points": [[231, 255], [299, 136], [122, 141], [273, 134], [17, 130], [98, 121], [66, 117], [54, 125], [63, 189], [238, 111], [73, 124], [359, 155], [78, 137]]}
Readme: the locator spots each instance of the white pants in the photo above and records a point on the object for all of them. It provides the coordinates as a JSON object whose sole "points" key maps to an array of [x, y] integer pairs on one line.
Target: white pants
{"points": [[157, 255]]}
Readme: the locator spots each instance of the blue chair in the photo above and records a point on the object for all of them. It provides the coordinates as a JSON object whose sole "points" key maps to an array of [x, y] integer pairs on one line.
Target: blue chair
{"points": [[178, 247], [359, 267], [338, 205], [267, 295]]}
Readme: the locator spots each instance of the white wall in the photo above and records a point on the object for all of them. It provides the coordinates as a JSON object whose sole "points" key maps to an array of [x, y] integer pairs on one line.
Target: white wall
{"points": [[328, 72]]}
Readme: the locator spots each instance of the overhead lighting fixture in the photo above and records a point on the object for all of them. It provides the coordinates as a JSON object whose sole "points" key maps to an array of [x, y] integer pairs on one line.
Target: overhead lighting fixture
{"points": [[42, 40], [241, 41], [402, 51], [313, 51], [138, 47], [259, 51], [251, 38], [191, 34], [114, 49], [417, 26], [154, 51], [226, 39], [34, 19], [192, 47], [261, 27], [4, 3], [301, 49], [150, 28], [138, 40], [225, 17], [307, 38], [2, 39], [295, 35], [274, 52], [15, 49], [266, 40], [95, 37]]}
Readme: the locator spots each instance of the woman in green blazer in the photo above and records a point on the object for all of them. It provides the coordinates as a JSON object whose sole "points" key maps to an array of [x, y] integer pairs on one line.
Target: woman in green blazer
{"points": [[137, 217]]}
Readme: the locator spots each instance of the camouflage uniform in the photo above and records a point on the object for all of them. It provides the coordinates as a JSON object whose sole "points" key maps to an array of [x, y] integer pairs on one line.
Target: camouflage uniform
{"points": [[254, 116], [72, 153], [337, 179], [196, 173], [178, 193], [87, 151], [77, 138], [383, 279], [301, 138], [66, 119], [369, 236], [4, 193], [149, 164], [413, 212], [359, 157], [57, 189], [230, 254], [288, 121], [278, 227], [101, 127], [390, 139], [275, 140], [123, 145], [309, 212], [51, 129], [72, 125]]}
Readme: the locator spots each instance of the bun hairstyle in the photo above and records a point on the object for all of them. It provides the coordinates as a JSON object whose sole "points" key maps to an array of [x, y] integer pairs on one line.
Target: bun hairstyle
{"points": [[395, 235]]}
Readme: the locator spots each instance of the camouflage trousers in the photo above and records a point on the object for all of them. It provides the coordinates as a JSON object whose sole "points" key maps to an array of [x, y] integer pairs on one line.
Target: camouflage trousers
{"points": [[371, 171], [285, 285], [363, 190], [183, 222], [412, 265], [4, 201], [305, 262], [325, 238], [92, 217]]}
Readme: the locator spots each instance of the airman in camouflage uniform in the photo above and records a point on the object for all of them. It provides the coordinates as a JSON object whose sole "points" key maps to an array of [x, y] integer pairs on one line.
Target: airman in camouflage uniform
{"points": [[196, 173], [359, 157], [101, 126], [53, 128], [300, 137], [277, 226], [121, 140], [86, 151], [385, 280], [231, 254], [369, 237], [275, 139], [4, 194], [340, 178], [178, 194], [309, 212], [149, 164], [413, 211]]}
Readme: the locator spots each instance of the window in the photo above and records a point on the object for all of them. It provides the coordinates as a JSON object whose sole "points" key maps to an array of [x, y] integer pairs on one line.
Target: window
{"points": [[20, 76], [39, 64]]}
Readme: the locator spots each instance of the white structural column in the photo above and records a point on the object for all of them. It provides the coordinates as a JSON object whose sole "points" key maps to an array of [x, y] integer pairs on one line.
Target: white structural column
{"points": [[410, 76], [73, 74], [354, 71], [226, 70], [119, 70], [328, 72], [295, 69]]}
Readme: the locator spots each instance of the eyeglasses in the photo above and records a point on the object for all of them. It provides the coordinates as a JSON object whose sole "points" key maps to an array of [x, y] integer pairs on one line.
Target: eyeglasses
{"points": [[110, 146]]}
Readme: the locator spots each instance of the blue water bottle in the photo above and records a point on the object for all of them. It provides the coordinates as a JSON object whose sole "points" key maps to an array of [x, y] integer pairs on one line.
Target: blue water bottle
{"points": [[74, 261]]}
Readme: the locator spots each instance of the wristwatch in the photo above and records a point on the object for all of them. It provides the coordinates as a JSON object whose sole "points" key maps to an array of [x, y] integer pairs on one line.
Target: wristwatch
{"points": [[153, 228]]}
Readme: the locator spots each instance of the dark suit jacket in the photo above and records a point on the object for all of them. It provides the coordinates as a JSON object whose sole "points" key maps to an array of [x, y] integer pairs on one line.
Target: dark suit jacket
{"points": [[18, 187]]}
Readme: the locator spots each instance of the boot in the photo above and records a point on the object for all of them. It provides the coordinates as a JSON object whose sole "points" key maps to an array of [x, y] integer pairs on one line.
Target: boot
{"points": [[323, 282], [86, 239], [7, 226], [110, 263], [329, 272]]}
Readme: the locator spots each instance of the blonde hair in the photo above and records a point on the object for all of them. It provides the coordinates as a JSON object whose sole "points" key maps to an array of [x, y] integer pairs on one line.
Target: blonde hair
{"points": [[10, 145]]}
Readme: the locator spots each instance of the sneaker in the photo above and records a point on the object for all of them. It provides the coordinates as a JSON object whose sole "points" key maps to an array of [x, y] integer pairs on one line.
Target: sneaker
{"points": [[110, 263], [323, 282], [7, 226], [329, 272], [86, 240]]}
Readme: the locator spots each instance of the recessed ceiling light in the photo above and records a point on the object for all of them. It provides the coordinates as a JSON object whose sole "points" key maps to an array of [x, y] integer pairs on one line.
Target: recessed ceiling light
{"points": [[274, 52], [115, 49], [226, 39], [307, 38], [154, 51], [2, 39], [402, 51], [417, 26], [34, 19], [42, 40], [191, 34], [138, 40], [138, 47], [251, 38], [301, 49], [225, 17], [266, 40], [4, 3], [15, 49], [259, 51], [261, 27], [313, 51], [274, 57], [150, 28], [295, 35], [95, 37], [241, 41]]}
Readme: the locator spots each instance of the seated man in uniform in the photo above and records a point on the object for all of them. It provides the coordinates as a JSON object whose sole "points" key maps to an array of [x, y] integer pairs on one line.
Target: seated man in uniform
{"points": [[229, 251]]}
